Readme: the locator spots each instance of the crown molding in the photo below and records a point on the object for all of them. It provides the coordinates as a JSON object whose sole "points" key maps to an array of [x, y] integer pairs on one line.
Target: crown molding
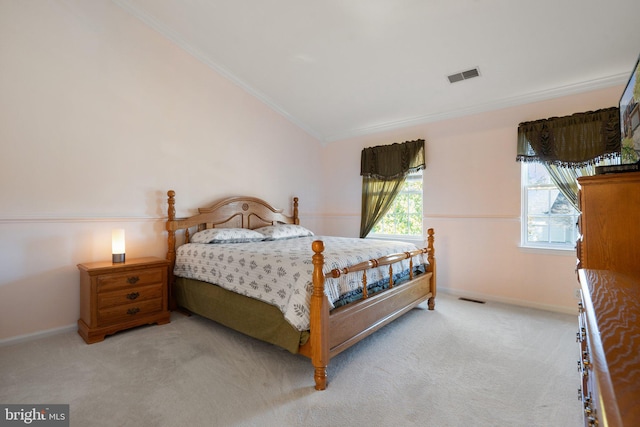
{"points": [[529, 98]]}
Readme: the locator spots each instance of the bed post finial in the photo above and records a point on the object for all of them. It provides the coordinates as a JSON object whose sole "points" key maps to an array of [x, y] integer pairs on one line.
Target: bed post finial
{"points": [[172, 205], [431, 251], [296, 220]]}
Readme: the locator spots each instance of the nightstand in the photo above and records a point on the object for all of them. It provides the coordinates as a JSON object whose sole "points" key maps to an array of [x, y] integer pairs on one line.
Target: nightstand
{"points": [[114, 297]]}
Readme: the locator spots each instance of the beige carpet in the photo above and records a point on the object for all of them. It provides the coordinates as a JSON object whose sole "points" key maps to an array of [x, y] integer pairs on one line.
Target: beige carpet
{"points": [[464, 364]]}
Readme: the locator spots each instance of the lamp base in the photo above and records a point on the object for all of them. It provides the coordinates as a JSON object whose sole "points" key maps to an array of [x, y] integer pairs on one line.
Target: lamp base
{"points": [[117, 258]]}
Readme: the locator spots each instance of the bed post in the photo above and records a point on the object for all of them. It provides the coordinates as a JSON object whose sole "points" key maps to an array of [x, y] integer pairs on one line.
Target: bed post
{"points": [[431, 257], [171, 242], [319, 319]]}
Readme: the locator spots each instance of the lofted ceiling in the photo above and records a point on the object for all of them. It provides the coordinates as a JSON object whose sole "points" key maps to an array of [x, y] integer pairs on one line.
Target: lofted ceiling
{"points": [[342, 68]]}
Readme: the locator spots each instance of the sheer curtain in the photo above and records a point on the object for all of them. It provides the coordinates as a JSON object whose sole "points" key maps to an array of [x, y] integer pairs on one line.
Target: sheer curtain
{"points": [[570, 146], [384, 169], [566, 179]]}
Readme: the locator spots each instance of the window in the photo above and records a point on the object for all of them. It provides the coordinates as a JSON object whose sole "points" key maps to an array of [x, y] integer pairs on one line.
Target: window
{"points": [[549, 220], [404, 218]]}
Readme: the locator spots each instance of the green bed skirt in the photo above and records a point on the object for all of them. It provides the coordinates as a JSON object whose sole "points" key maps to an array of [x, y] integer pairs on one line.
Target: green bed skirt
{"points": [[249, 316]]}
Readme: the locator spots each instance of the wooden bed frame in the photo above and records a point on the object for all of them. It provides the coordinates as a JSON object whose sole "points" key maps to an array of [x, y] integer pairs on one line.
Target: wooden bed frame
{"points": [[330, 332]]}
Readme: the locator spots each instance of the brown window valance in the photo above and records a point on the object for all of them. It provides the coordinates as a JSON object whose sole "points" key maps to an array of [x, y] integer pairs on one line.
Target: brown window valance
{"points": [[571, 141], [392, 161]]}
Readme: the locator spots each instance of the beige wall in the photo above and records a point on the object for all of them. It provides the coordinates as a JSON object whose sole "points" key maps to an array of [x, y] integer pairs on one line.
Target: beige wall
{"points": [[100, 116], [472, 200]]}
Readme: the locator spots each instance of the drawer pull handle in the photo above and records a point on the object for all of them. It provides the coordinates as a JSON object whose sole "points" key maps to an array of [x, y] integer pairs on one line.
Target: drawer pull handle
{"points": [[587, 409], [133, 280], [133, 311], [585, 359], [133, 295], [581, 335]]}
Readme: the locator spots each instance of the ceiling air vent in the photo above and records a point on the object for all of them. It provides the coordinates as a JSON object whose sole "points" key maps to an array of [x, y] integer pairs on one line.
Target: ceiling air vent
{"points": [[464, 75]]}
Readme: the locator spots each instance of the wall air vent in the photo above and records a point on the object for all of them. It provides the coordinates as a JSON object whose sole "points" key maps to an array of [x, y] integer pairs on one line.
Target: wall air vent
{"points": [[464, 75]]}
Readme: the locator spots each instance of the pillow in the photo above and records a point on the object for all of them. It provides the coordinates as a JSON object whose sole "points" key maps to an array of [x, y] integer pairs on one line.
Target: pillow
{"points": [[283, 231], [226, 235]]}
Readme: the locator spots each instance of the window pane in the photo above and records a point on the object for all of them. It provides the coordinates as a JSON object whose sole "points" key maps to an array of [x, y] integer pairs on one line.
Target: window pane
{"points": [[549, 218], [538, 229], [562, 229], [405, 215], [538, 201], [537, 174]]}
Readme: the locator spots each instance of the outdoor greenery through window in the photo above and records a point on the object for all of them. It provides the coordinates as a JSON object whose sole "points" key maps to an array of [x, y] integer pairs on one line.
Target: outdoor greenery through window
{"points": [[404, 218], [549, 219]]}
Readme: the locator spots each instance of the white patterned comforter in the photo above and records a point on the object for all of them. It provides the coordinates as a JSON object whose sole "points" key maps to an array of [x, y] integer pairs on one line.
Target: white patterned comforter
{"points": [[280, 272]]}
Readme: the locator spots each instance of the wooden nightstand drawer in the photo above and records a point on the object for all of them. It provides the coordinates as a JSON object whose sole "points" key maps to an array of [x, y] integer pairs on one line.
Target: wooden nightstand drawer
{"points": [[130, 279], [128, 296], [125, 313]]}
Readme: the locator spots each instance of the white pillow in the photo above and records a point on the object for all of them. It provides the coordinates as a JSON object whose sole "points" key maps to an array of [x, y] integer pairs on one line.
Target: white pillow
{"points": [[226, 235], [283, 231]]}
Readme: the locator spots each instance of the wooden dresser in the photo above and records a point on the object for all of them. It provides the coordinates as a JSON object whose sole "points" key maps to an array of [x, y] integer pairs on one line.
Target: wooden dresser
{"points": [[608, 251], [609, 224], [114, 297], [609, 337]]}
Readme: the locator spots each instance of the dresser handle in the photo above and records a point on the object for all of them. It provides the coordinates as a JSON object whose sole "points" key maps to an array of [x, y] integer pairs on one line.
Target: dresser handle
{"points": [[132, 280], [581, 335], [585, 359], [133, 295], [133, 311], [587, 409]]}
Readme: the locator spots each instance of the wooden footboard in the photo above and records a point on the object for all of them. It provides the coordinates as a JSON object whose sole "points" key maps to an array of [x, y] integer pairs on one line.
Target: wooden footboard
{"points": [[335, 331]]}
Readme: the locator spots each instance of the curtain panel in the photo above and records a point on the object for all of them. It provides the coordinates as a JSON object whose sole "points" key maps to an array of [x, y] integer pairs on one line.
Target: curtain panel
{"points": [[384, 169], [573, 141]]}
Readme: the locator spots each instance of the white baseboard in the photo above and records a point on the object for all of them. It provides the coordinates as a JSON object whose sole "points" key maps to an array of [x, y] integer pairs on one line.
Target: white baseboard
{"points": [[511, 301], [37, 335]]}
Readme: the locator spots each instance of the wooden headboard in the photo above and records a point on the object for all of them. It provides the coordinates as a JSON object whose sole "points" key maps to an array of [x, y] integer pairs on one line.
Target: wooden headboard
{"points": [[232, 212], [238, 212]]}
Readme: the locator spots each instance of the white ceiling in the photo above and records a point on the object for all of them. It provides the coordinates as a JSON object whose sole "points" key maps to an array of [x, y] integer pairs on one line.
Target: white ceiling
{"points": [[341, 68]]}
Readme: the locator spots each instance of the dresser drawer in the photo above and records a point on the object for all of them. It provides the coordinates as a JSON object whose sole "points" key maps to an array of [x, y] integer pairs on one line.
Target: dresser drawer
{"points": [[124, 313], [128, 296], [110, 282]]}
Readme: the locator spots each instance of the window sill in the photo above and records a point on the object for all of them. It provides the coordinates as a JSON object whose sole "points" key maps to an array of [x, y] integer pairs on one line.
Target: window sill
{"points": [[419, 240], [545, 250]]}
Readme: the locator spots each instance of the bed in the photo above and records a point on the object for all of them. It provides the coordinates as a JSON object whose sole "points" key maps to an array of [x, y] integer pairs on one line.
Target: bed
{"points": [[247, 265]]}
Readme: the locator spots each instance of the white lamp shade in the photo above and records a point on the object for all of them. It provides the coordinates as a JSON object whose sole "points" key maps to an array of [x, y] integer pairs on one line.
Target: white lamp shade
{"points": [[117, 241]]}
